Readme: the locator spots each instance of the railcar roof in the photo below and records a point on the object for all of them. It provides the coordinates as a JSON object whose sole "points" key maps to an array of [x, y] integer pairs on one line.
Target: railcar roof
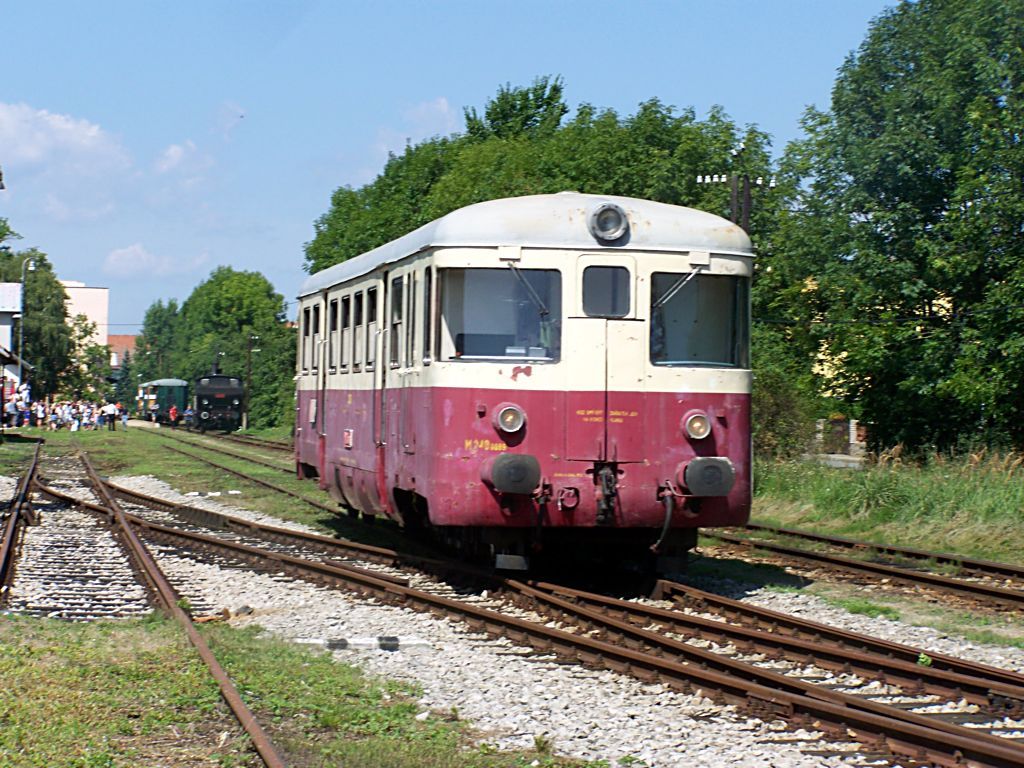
{"points": [[549, 221], [165, 383]]}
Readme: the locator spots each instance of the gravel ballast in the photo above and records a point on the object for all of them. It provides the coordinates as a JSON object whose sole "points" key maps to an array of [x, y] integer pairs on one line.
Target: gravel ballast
{"points": [[512, 697]]}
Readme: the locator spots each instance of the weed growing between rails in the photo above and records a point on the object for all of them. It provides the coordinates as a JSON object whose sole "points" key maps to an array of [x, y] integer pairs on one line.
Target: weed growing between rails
{"points": [[971, 504]]}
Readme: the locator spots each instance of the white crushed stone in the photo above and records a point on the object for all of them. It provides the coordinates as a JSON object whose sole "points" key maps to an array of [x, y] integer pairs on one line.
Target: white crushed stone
{"points": [[813, 608], [509, 699]]}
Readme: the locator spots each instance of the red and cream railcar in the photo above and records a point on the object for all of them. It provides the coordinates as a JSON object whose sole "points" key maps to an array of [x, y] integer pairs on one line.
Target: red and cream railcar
{"points": [[562, 371]]}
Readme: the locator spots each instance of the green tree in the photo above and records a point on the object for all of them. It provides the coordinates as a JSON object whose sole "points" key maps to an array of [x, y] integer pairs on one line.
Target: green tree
{"points": [[534, 111], [88, 371], [903, 258], [46, 334], [225, 320], [157, 346]]}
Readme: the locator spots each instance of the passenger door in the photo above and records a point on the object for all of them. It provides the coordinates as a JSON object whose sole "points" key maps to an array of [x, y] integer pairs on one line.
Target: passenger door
{"points": [[604, 413]]}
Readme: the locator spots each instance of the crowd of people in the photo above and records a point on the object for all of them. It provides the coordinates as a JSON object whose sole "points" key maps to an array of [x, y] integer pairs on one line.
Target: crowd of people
{"points": [[73, 415]]}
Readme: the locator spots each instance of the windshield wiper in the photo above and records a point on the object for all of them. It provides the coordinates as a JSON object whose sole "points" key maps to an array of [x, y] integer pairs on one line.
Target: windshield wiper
{"points": [[677, 286], [529, 289]]}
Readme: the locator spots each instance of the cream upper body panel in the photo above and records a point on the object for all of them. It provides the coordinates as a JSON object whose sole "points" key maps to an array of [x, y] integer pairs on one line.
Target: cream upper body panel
{"points": [[545, 232]]}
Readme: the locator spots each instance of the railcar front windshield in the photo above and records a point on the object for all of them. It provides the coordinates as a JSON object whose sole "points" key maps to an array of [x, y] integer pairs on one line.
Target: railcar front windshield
{"points": [[504, 313], [699, 319]]}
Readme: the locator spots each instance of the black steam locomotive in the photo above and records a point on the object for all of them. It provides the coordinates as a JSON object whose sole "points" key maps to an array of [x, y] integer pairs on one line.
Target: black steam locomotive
{"points": [[219, 400]]}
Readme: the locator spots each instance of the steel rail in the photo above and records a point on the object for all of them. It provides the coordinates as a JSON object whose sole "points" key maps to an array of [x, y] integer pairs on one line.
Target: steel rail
{"points": [[331, 544], [242, 551], [334, 510], [812, 632], [196, 444], [997, 697], [1009, 598], [944, 744], [989, 567], [823, 633], [902, 733], [168, 597], [258, 442], [18, 514], [900, 727]]}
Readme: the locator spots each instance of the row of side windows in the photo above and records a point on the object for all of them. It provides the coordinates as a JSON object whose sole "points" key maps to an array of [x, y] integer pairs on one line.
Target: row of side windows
{"points": [[352, 325]]}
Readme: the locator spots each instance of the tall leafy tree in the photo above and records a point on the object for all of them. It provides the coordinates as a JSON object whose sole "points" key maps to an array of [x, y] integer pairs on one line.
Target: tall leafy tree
{"points": [[47, 336], [157, 345], [88, 372], [534, 111], [903, 257], [236, 321]]}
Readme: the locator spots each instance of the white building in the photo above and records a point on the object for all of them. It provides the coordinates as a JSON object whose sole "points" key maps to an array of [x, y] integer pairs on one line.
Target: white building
{"points": [[10, 308], [94, 303]]}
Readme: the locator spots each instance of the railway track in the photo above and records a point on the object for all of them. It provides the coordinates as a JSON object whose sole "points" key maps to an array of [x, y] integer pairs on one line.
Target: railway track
{"points": [[84, 561], [968, 566], [861, 695], [988, 590], [997, 584]]}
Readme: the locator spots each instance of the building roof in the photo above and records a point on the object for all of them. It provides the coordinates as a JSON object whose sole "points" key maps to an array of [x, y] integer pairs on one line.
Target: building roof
{"points": [[165, 383], [550, 221]]}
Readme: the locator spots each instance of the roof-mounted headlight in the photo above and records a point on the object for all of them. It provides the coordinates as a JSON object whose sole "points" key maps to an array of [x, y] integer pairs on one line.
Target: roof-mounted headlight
{"points": [[608, 222]]}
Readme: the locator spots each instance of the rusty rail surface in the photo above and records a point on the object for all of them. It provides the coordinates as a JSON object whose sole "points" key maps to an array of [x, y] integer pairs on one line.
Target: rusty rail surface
{"points": [[18, 514], [997, 696], [779, 623], [895, 727], [987, 567], [764, 693], [169, 598], [774, 621], [1007, 598], [334, 510], [167, 434]]}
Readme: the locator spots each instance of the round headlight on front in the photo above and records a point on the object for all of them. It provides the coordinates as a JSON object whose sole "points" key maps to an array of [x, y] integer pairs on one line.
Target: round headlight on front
{"points": [[509, 419], [697, 425], [608, 222], [235, 401]]}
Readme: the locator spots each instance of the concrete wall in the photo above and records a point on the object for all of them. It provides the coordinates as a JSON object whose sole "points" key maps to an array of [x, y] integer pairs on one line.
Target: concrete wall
{"points": [[94, 303]]}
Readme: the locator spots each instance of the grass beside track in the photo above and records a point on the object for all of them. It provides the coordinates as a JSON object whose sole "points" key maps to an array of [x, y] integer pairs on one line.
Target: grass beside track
{"points": [[972, 506], [133, 693], [121, 694]]}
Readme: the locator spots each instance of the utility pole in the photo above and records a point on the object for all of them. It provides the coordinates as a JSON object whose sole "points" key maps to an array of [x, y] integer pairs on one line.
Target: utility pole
{"points": [[249, 349], [27, 261], [741, 200]]}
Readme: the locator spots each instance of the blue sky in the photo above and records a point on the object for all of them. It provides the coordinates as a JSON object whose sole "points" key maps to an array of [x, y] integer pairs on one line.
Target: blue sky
{"points": [[143, 144]]}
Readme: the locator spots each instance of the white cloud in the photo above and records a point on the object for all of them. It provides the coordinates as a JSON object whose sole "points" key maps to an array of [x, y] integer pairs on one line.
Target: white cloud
{"points": [[430, 118], [33, 137], [174, 155], [229, 117], [420, 121], [135, 261], [69, 168]]}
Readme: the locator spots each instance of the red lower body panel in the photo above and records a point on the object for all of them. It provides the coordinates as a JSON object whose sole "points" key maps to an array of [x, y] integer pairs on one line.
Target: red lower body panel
{"points": [[436, 442]]}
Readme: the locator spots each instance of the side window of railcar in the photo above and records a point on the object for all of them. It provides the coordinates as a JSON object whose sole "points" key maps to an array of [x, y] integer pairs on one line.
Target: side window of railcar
{"points": [[397, 305], [699, 319], [410, 331], [315, 365], [357, 322], [305, 340], [371, 328], [606, 291], [428, 283], [332, 336], [504, 313], [346, 329]]}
